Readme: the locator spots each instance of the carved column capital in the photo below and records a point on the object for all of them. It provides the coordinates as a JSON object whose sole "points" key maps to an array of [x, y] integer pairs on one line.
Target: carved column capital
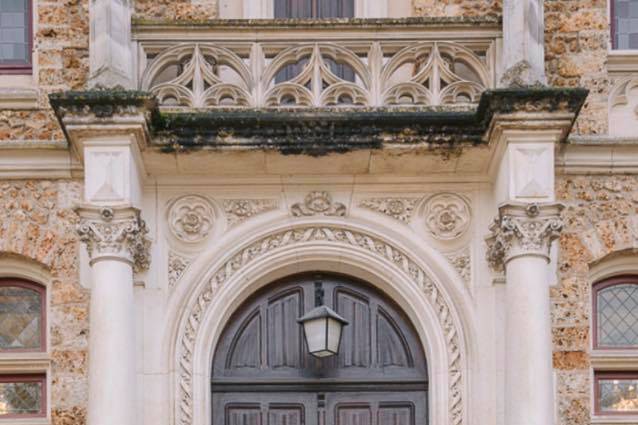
{"points": [[116, 233], [522, 230]]}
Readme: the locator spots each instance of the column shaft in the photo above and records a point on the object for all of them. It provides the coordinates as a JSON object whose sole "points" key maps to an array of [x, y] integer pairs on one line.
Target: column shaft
{"points": [[112, 345], [528, 367]]}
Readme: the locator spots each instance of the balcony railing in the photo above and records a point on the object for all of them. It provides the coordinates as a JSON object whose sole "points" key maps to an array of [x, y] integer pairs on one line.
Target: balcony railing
{"points": [[318, 64]]}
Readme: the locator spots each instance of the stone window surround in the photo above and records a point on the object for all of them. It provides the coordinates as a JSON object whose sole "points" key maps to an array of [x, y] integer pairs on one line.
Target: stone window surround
{"points": [[19, 91], [28, 362], [614, 360]]}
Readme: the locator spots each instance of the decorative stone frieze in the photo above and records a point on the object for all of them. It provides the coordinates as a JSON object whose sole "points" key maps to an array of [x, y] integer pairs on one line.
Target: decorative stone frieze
{"points": [[115, 233], [398, 208], [239, 210], [447, 216], [177, 265], [318, 203], [462, 263], [191, 218], [523, 229]]}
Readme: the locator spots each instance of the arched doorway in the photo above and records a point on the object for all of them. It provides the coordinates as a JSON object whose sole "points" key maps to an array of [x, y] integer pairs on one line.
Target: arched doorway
{"points": [[263, 374]]}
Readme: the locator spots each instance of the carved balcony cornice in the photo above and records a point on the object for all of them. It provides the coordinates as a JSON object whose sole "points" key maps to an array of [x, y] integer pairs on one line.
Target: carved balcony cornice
{"points": [[115, 233], [523, 230]]}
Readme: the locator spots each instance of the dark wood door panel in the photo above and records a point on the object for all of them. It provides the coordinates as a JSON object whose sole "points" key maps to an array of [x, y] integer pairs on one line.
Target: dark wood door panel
{"points": [[264, 409]]}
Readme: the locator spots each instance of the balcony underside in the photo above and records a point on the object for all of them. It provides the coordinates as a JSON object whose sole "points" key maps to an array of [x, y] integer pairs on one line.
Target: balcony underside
{"points": [[341, 140]]}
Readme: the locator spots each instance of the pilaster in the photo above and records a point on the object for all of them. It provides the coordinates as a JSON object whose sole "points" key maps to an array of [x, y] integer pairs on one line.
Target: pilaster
{"points": [[110, 47], [523, 43]]}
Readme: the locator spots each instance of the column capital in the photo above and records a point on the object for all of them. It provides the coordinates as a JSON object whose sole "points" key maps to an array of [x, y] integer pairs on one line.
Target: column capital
{"points": [[115, 233], [523, 229]]}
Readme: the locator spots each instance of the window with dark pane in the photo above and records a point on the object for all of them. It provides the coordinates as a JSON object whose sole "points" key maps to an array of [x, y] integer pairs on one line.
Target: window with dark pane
{"points": [[15, 34], [624, 24], [21, 316], [22, 396], [616, 306], [616, 393], [314, 9]]}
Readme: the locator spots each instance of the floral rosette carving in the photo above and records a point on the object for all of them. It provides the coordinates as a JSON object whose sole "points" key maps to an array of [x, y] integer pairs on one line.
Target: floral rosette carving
{"points": [[447, 216], [191, 218]]}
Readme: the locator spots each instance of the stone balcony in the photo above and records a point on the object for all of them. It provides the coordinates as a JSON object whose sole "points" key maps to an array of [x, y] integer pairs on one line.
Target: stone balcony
{"points": [[272, 64], [350, 96]]}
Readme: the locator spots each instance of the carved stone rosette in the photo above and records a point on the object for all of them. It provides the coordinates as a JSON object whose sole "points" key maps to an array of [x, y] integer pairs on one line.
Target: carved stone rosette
{"points": [[115, 233], [523, 229], [447, 216], [191, 218]]}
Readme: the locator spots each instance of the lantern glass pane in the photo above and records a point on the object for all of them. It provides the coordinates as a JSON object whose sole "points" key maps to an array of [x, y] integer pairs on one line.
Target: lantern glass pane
{"points": [[315, 331], [334, 335]]}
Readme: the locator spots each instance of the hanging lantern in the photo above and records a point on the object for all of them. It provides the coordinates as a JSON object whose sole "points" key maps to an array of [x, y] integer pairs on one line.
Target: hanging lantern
{"points": [[322, 328]]}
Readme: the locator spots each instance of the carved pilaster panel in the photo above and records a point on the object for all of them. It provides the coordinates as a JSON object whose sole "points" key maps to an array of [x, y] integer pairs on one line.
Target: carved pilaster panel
{"points": [[523, 229], [116, 233]]}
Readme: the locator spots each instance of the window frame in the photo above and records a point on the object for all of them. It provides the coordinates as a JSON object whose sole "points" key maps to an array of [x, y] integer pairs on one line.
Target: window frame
{"points": [[597, 287], [28, 377], [605, 375], [42, 291], [613, 46], [22, 68]]}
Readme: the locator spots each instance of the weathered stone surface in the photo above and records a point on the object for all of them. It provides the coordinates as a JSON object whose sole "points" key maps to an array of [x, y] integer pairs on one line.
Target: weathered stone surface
{"points": [[491, 8], [576, 40], [599, 220], [177, 10], [37, 223]]}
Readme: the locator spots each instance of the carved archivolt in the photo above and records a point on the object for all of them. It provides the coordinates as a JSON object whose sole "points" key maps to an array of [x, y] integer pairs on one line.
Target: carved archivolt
{"points": [[198, 75], [190, 218], [447, 216], [341, 237], [398, 208]]}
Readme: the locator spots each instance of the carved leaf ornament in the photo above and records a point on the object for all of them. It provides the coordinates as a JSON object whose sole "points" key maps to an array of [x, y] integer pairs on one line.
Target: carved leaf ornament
{"points": [[201, 75], [297, 237]]}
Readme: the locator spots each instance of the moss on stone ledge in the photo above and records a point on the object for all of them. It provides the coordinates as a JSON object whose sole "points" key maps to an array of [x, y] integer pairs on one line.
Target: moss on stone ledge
{"points": [[319, 131]]}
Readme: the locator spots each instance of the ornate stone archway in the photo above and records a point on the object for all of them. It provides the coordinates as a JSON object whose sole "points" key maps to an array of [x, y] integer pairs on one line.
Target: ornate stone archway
{"points": [[218, 290]]}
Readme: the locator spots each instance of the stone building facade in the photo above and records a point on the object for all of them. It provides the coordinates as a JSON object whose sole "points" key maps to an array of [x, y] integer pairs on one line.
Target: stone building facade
{"points": [[163, 163]]}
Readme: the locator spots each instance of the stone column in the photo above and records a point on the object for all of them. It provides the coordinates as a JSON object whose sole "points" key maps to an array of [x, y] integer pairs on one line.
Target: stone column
{"points": [[117, 246], [520, 243], [523, 43]]}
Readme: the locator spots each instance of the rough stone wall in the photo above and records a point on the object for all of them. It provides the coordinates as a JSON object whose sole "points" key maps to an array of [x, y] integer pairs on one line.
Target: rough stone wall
{"points": [[577, 34], [176, 9], [37, 223], [61, 50], [472, 8], [601, 218]]}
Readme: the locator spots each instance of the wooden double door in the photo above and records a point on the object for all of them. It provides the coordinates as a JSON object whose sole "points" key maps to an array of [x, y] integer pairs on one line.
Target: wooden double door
{"points": [[264, 375]]}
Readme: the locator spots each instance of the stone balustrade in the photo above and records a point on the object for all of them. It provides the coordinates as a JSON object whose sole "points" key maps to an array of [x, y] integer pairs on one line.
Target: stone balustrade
{"points": [[283, 64]]}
